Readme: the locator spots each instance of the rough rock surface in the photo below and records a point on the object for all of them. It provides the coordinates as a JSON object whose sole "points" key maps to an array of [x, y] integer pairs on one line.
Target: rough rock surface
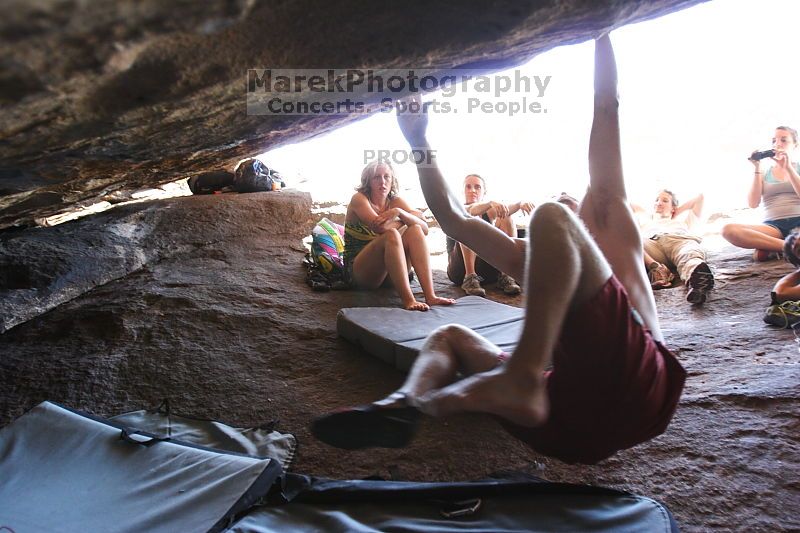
{"points": [[99, 98], [220, 320], [44, 267]]}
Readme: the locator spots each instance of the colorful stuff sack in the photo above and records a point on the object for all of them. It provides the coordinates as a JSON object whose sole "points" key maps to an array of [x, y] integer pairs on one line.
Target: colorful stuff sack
{"points": [[325, 262], [327, 245]]}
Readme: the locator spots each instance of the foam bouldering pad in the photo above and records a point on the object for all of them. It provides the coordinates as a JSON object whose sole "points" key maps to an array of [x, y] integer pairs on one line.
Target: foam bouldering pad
{"points": [[396, 335]]}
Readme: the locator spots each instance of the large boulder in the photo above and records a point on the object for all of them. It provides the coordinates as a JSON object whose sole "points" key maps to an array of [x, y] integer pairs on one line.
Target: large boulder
{"points": [[41, 268]]}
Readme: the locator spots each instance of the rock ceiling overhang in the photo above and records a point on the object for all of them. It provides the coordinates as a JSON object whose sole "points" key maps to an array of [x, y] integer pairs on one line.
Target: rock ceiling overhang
{"points": [[102, 97]]}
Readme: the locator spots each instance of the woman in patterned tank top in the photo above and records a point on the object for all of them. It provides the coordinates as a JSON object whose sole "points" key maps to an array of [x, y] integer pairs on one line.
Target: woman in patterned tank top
{"points": [[385, 237]]}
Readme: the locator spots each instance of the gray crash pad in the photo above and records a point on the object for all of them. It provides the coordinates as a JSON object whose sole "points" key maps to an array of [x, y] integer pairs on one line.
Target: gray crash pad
{"points": [[65, 471], [396, 335]]}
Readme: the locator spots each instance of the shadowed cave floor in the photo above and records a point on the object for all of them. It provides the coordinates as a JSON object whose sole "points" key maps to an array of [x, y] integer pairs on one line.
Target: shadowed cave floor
{"points": [[227, 328]]}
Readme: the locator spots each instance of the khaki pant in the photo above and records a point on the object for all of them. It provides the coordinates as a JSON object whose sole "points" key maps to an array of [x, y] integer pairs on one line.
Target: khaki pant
{"points": [[676, 251]]}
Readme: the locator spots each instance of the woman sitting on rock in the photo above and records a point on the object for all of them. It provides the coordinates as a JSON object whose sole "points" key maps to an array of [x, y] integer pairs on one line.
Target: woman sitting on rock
{"points": [[779, 189], [383, 234]]}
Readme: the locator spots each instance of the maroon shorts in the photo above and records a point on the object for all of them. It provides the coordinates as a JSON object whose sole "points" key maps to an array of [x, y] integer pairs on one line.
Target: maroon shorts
{"points": [[611, 386]]}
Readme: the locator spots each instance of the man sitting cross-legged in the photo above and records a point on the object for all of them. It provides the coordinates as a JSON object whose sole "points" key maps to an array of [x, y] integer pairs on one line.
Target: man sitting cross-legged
{"points": [[590, 374], [463, 266]]}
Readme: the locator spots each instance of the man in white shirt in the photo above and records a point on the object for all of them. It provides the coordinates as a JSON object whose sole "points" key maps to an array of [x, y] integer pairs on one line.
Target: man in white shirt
{"points": [[669, 244]]}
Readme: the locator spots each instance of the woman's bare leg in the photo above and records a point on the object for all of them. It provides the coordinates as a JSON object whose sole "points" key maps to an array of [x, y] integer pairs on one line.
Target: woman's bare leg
{"points": [[415, 245], [759, 236], [385, 255]]}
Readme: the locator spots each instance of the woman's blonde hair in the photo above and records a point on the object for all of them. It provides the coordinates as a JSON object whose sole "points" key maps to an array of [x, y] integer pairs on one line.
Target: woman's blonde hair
{"points": [[367, 174]]}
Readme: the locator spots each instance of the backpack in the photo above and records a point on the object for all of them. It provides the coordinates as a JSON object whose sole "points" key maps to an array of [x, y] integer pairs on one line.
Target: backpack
{"points": [[210, 182], [252, 175], [325, 261]]}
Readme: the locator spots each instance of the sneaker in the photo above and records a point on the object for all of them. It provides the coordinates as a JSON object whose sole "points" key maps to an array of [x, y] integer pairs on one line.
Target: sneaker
{"points": [[472, 285], [507, 284], [784, 315], [700, 282], [759, 256]]}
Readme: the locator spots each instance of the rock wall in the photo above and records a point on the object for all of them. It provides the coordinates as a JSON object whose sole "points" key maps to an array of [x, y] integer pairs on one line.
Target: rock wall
{"points": [[101, 97], [44, 267]]}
